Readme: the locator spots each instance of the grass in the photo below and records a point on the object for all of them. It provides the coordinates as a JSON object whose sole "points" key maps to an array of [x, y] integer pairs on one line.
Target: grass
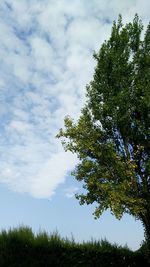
{"points": [[20, 247]]}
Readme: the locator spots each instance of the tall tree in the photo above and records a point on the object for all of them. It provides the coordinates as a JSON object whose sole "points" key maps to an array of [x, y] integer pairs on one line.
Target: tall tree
{"points": [[112, 135]]}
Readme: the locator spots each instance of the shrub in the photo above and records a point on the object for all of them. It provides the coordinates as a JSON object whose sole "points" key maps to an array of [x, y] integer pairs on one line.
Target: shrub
{"points": [[20, 247]]}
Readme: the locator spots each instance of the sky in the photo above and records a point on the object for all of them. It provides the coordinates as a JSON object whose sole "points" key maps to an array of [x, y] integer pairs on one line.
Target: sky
{"points": [[46, 60]]}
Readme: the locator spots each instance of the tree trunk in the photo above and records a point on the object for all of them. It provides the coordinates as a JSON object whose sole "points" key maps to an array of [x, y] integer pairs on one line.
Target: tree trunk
{"points": [[146, 224]]}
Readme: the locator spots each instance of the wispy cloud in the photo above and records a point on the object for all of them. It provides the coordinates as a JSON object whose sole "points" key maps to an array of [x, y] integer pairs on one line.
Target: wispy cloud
{"points": [[45, 61], [71, 191]]}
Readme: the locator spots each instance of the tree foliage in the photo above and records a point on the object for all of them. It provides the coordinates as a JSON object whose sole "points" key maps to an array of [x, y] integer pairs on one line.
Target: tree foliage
{"points": [[112, 135]]}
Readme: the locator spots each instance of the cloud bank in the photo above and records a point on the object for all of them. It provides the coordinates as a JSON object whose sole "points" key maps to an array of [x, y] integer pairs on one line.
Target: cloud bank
{"points": [[46, 49]]}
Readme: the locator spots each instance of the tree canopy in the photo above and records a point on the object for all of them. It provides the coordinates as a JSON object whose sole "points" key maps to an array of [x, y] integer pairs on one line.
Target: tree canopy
{"points": [[112, 135]]}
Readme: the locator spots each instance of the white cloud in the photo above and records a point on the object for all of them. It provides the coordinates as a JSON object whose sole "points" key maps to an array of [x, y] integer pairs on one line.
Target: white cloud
{"points": [[71, 191], [46, 60]]}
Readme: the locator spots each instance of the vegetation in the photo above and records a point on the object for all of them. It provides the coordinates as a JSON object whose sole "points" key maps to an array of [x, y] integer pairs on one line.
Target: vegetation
{"points": [[112, 136], [20, 247]]}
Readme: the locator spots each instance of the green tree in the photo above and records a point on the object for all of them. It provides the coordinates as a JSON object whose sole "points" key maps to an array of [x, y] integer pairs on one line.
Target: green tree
{"points": [[112, 135]]}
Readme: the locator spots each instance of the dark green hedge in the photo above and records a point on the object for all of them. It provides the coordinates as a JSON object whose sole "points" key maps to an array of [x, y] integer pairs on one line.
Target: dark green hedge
{"points": [[21, 248]]}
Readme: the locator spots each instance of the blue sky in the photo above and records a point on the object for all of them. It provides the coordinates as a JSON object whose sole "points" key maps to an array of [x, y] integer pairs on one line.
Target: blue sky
{"points": [[46, 49]]}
